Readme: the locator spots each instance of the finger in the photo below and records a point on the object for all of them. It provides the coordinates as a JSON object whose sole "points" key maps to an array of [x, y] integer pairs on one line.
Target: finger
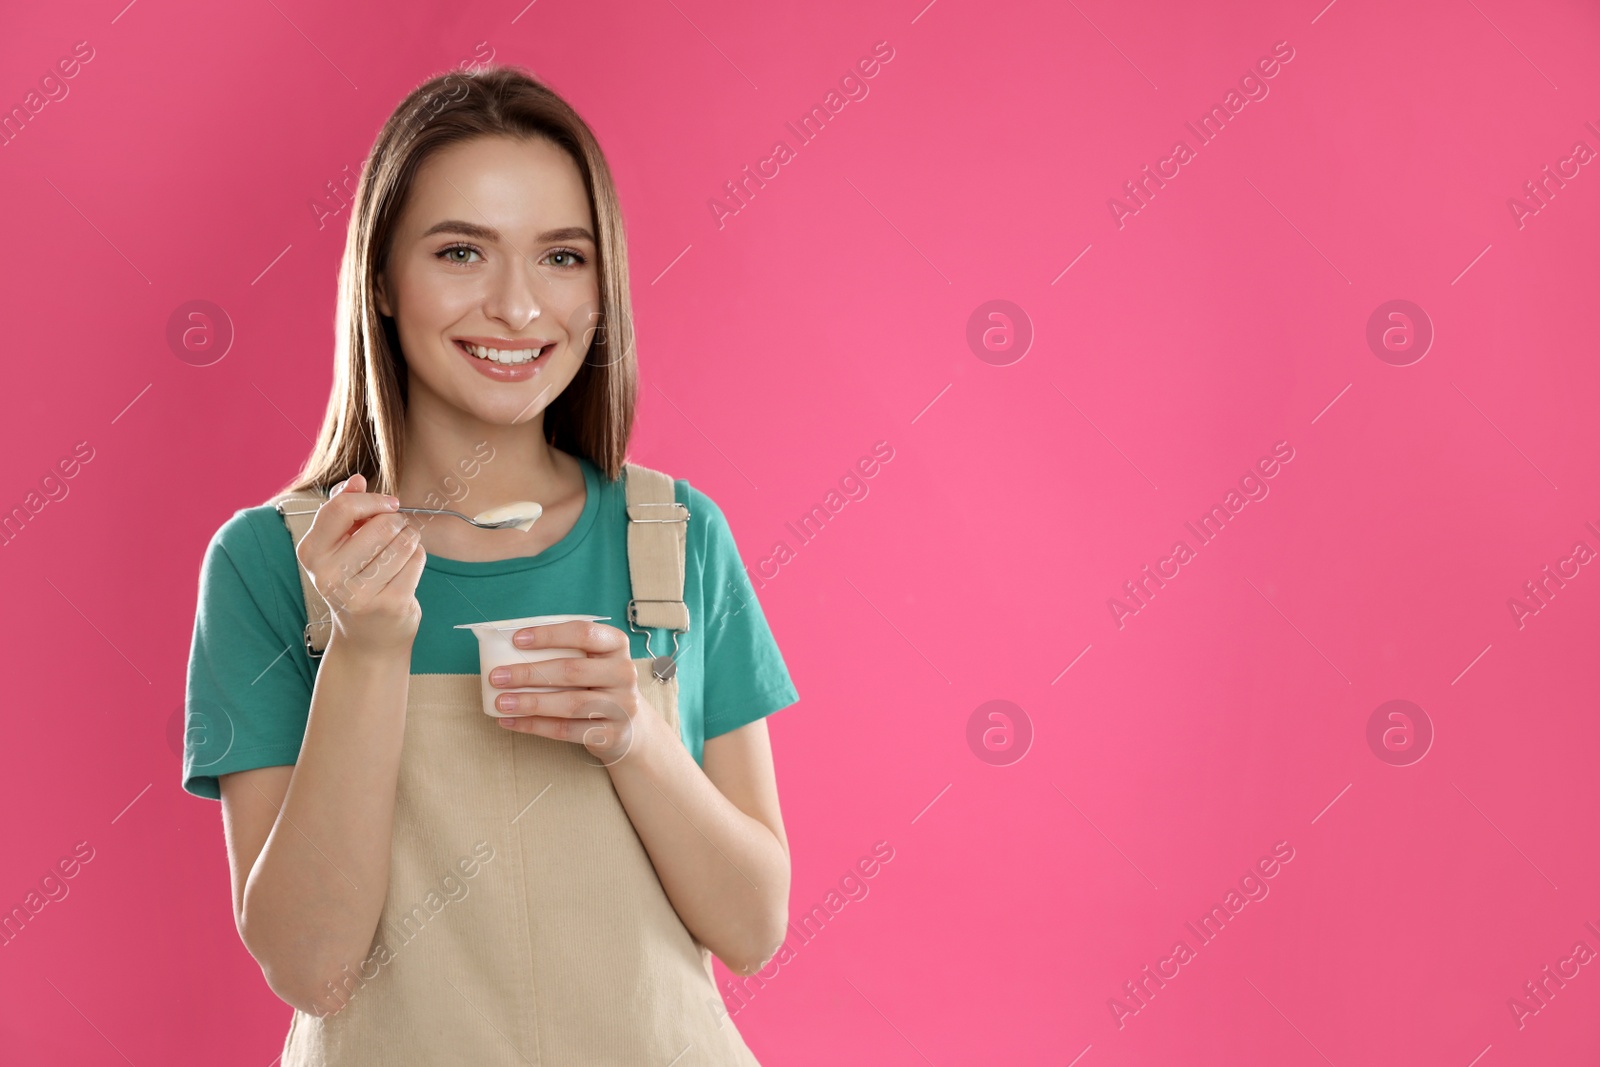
{"points": [[592, 637], [544, 726], [565, 704], [400, 565], [385, 564], [590, 672], [342, 581], [405, 580], [607, 741], [336, 518], [374, 537], [370, 539], [580, 730]]}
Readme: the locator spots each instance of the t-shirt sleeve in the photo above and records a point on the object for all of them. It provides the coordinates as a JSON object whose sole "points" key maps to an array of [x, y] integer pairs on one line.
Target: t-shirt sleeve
{"points": [[249, 678], [745, 676]]}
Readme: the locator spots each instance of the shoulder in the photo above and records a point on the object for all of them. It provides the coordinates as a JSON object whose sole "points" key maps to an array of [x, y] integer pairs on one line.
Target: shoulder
{"points": [[710, 537], [710, 541], [253, 554], [700, 505], [253, 533], [704, 513]]}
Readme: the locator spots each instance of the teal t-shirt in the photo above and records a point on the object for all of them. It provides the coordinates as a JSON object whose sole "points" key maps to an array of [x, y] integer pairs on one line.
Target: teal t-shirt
{"points": [[250, 678]]}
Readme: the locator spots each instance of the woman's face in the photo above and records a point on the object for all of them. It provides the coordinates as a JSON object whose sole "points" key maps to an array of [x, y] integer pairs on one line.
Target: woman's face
{"points": [[493, 254]]}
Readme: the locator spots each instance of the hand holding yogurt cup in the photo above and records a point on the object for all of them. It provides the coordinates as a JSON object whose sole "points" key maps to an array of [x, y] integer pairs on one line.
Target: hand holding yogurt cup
{"points": [[565, 677]]}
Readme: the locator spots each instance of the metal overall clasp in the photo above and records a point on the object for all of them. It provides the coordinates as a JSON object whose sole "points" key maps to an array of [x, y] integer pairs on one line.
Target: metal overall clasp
{"points": [[661, 667]]}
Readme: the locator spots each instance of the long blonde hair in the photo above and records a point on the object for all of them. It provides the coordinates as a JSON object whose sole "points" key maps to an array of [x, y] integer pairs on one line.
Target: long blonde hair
{"points": [[363, 429]]}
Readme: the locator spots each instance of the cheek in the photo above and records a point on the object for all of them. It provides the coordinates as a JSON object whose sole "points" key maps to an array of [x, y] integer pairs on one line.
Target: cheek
{"points": [[582, 322], [431, 306], [433, 303]]}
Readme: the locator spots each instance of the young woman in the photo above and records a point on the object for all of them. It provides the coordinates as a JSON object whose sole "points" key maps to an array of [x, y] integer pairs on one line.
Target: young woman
{"points": [[424, 882]]}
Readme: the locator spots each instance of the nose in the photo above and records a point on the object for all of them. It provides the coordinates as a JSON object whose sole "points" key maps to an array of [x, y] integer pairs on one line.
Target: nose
{"points": [[513, 294]]}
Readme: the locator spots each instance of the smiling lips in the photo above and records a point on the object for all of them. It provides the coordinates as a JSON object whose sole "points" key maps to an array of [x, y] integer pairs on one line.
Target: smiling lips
{"points": [[506, 359]]}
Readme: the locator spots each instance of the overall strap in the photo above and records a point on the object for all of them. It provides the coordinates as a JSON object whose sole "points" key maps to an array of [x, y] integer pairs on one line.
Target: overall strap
{"points": [[657, 546], [298, 509]]}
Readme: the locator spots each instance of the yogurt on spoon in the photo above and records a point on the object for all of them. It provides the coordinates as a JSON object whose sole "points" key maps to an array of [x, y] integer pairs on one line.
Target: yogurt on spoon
{"points": [[526, 512]]}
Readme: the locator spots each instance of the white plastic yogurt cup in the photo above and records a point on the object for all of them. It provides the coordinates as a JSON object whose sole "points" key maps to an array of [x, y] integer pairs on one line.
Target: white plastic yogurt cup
{"points": [[496, 650]]}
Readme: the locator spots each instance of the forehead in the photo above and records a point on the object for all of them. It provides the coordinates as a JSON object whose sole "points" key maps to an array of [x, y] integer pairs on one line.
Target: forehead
{"points": [[518, 186]]}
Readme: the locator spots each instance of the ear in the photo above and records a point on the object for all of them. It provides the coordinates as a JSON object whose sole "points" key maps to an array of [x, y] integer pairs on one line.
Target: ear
{"points": [[381, 293]]}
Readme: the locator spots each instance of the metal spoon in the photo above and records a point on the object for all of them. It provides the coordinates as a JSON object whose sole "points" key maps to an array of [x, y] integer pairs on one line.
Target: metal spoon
{"points": [[528, 517]]}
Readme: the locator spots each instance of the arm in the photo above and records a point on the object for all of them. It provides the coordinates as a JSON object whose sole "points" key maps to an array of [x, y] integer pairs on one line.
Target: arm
{"points": [[715, 837], [308, 845]]}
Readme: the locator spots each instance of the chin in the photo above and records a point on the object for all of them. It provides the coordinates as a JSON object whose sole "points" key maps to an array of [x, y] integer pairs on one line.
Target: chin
{"points": [[507, 414]]}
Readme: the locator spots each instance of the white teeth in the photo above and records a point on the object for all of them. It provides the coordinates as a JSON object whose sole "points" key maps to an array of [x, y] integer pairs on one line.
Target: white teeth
{"points": [[499, 355]]}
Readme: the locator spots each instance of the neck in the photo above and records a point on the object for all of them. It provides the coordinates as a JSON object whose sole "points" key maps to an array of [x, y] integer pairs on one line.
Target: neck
{"points": [[462, 463]]}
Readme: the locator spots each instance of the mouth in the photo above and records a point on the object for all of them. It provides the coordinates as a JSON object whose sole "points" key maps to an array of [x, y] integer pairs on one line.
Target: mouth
{"points": [[503, 364]]}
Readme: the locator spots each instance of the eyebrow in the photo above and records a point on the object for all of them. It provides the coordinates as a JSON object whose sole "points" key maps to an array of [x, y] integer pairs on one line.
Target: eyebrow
{"points": [[492, 235]]}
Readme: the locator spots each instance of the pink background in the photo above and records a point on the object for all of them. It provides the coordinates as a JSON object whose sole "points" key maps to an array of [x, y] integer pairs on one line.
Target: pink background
{"points": [[1228, 314]]}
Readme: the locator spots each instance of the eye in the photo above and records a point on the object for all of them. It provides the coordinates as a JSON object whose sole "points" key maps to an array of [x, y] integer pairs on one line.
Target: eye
{"points": [[575, 259], [445, 253]]}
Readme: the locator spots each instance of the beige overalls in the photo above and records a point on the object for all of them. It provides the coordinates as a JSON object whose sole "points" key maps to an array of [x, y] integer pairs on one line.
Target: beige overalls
{"points": [[524, 923]]}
